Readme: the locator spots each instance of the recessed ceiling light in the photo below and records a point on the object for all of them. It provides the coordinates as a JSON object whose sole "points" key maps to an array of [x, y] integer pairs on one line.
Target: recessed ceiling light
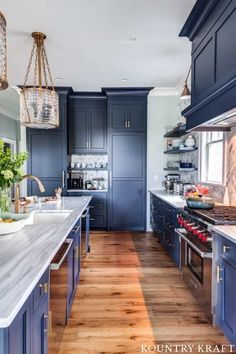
{"points": [[132, 39], [59, 79], [124, 80]]}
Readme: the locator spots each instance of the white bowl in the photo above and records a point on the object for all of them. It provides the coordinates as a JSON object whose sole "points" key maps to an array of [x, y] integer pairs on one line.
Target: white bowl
{"points": [[15, 226]]}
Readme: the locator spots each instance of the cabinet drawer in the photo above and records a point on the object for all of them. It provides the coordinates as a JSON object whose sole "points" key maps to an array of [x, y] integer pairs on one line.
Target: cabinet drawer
{"points": [[227, 249], [41, 290]]}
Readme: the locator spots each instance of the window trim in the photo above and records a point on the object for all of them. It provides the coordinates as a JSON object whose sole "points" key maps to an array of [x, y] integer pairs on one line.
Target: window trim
{"points": [[202, 178]]}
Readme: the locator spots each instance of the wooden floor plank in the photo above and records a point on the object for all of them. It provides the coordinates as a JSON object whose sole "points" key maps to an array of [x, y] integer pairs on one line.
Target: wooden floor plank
{"points": [[131, 294]]}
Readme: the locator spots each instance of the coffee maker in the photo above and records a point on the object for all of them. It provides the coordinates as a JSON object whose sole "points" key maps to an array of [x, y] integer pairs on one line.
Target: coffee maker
{"points": [[170, 178]]}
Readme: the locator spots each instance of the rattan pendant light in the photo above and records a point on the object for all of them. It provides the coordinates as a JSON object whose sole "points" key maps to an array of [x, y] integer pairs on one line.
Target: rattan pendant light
{"points": [[3, 53], [39, 104]]}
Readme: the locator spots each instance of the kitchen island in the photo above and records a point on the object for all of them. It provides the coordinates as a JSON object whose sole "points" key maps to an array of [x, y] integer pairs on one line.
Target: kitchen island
{"points": [[26, 255]]}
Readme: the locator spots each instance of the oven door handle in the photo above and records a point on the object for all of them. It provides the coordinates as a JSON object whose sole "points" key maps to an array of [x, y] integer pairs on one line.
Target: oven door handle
{"points": [[202, 254]]}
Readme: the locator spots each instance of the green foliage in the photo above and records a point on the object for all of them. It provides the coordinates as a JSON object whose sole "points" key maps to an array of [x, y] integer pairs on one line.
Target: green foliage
{"points": [[10, 166]]}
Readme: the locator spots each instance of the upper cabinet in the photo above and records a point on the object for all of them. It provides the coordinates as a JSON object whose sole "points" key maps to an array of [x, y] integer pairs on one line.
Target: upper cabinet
{"points": [[210, 27], [87, 123], [128, 116]]}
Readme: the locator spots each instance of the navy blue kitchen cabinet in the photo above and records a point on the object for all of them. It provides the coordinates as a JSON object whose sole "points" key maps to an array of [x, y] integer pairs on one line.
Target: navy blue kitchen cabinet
{"points": [[209, 27], [87, 123], [226, 288], [40, 328], [28, 333], [127, 113], [127, 204], [18, 335], [48, 154], [97, 207], [163, 220], [128, 116]]}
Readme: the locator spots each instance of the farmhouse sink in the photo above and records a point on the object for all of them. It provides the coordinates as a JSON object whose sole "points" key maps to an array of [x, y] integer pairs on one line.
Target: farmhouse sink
{"points": [[47, 217]]}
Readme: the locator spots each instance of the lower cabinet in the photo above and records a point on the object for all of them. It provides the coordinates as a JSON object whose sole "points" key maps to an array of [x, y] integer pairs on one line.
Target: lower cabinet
{"points": [[28, 333], [98, 207], [40, 329], [163, 219], [226, 289]]}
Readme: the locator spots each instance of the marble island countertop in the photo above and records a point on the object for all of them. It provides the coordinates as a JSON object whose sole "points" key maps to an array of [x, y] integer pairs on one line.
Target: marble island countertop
{"points": [[228, 231], [25, 255], [175, 200]]}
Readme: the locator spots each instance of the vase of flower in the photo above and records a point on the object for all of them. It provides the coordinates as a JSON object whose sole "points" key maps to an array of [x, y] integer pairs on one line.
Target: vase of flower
{"points": [[5, 200], [10, 173]]}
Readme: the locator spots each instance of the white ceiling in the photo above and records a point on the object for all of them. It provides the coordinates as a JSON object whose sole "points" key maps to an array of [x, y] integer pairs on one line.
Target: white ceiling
{"points": [[90, 42]]}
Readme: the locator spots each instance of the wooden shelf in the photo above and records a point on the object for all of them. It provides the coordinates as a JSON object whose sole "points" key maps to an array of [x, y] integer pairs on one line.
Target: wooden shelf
{"points": [[176, 132], [179, 151], [181, 169], [86, 169]]}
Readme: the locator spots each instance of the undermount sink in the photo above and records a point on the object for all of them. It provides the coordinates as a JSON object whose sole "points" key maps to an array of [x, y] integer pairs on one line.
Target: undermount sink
{"points": [[47, 217]]}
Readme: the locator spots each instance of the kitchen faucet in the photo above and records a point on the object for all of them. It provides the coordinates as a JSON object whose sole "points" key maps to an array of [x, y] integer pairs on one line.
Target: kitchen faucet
{"points": [[17, 192]]}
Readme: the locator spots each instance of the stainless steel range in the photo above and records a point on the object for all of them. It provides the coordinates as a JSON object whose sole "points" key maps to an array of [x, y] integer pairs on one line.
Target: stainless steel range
{"points": [[195, 234]]}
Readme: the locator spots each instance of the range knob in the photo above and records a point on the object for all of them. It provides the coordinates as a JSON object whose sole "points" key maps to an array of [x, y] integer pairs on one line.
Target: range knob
{"points": [[190, 226]]}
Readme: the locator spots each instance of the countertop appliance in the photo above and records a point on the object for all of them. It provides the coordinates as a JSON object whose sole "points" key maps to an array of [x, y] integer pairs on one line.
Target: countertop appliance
{"points": [[170, 178], [195, 235]]}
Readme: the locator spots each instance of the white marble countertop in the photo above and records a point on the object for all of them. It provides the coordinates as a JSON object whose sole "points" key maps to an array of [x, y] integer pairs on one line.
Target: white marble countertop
{"points": [[25, 255], [228, 231], [175, 200]]}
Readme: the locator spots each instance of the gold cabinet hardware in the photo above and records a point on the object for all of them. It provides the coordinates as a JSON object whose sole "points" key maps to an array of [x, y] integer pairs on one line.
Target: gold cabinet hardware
{"points": [[44, 287], [45, 318], [218, 274], [76, 252], [226, 248]]}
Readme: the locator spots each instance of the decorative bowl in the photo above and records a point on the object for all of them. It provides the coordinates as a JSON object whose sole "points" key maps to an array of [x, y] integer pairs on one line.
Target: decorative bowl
{"points": [[200, 203], [14, 226]]}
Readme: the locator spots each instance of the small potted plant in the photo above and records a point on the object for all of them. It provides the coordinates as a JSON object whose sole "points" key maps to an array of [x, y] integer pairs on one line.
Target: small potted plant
{"points": [[10, 173]]}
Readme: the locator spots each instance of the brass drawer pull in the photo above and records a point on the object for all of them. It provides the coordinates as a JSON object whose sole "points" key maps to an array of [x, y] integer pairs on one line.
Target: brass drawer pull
{"points": [[44, 287], [218, 276], [226, 249]]}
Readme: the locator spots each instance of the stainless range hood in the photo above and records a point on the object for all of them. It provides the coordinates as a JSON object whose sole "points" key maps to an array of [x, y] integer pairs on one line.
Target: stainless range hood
{"points": [[223, 122]]}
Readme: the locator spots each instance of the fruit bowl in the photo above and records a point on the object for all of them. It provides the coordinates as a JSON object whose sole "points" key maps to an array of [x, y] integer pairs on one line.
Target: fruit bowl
{"points": [[200, 203], [10, 223]]}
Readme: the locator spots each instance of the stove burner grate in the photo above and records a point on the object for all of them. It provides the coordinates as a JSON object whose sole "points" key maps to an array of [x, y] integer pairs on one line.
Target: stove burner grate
{"points": [[219, 215]]}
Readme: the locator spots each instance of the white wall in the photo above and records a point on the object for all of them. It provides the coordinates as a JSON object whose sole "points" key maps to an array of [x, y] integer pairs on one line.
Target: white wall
{"points": [[163, 112]]}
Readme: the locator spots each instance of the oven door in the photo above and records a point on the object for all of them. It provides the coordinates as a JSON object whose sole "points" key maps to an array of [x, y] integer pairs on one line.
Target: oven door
{"points": [[196, 268], [194, 262]]}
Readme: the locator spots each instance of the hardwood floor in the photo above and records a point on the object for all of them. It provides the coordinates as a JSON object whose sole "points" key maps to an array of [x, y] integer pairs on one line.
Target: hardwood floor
{"points": [[131, 294]]}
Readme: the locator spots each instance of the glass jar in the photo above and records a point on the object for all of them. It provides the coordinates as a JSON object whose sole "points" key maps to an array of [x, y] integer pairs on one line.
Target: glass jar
{"points": [[5, 199]]}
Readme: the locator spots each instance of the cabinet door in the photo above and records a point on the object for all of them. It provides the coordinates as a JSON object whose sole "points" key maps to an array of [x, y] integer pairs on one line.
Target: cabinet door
{"points": [[79, 125], [97, 130], [128, 156], [137, 117], [19, 333], [127, 205], [40, 329], [118, 117], [47, 161], [226, 300]]}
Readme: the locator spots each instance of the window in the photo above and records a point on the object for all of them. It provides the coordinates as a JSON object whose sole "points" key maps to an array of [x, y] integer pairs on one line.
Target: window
{"points": [[212, 157]]}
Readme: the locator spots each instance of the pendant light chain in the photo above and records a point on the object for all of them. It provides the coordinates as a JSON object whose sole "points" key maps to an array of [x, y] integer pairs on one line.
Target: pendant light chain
{"points": [[29, 64], [48, 68], [44, 66]]}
